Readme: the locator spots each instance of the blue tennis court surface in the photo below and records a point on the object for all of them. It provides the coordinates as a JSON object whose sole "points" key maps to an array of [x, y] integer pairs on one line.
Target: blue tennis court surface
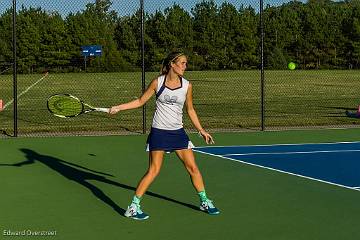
{"points": [[333, 163]]}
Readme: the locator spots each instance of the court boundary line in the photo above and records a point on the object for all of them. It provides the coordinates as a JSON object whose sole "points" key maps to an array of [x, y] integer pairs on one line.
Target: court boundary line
{"points": [[25, 91], [281, 144], [280, 153], [280, 171]]}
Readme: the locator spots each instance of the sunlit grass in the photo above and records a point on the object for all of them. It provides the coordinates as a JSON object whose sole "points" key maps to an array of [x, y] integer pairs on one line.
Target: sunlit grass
{"points": [[223, 99]]}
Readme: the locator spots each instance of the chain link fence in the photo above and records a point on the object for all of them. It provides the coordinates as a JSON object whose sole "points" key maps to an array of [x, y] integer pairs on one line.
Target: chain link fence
{"points": [[222, 40]]}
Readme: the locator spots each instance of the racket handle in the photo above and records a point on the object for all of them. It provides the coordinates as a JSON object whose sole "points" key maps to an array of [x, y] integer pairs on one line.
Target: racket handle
{"points": [[106, 110]]}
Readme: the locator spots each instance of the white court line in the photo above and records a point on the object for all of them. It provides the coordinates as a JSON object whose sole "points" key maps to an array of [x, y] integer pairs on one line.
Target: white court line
{"points": [[283, 144], [280, 153], [25, 91], [281, 171]]}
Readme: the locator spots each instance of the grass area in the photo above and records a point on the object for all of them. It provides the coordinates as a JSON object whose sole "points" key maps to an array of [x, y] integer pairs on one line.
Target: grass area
{"points": [[223, 99]]}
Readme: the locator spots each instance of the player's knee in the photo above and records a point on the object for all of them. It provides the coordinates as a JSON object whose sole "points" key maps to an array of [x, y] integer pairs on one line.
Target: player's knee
{"points": [[154, 171], [193, 170]]}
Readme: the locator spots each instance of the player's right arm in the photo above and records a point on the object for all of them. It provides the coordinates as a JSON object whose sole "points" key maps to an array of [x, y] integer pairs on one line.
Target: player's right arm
{"points": [[149, 92]]}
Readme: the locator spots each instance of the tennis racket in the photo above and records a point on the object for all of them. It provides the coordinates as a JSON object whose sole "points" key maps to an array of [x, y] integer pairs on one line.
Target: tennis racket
{"points": [[67, 106]]}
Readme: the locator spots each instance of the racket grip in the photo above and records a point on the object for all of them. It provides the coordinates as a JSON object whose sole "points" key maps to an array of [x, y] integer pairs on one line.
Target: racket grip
{"points": [[106, 110]]}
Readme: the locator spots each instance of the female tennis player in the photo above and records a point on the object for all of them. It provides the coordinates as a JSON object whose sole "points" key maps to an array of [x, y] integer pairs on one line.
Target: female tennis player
{"points": [[167, 133]]}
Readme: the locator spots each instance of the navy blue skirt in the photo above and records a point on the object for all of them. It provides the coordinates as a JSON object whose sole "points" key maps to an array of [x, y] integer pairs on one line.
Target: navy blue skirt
{"points": [[168, 140]]}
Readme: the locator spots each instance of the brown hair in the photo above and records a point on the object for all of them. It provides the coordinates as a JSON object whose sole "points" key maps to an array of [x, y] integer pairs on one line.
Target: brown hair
{"points": [[171, 57]]}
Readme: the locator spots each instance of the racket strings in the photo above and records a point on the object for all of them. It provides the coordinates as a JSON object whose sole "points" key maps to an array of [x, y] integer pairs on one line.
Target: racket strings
{"points": [[66, 106]]}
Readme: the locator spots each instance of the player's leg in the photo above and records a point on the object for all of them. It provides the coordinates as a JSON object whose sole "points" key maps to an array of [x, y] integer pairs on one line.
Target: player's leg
{"points": [[155, 162], [188, 159]]}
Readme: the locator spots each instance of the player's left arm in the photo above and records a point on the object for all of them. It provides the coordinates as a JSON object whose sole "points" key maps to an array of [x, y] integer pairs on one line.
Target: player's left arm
{"points": [[194, 117]]}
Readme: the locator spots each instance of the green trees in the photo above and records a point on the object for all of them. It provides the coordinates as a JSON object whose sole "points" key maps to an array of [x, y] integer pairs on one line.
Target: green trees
{"points": [[94, 26], [54, 44], [225, 38], [284, 35], [6, 38], [208, 38], [127, 37], [29, 28], [351, 33], [315, 35], [246, 40]]}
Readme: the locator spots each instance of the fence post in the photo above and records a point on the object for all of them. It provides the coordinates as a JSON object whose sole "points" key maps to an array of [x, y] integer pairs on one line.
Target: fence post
{"points": [[14, 69], [262, 80], [143, 61]]}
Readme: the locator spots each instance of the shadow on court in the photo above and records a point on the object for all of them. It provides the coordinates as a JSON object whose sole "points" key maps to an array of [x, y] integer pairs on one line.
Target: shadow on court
{"points": [[81, 175]]}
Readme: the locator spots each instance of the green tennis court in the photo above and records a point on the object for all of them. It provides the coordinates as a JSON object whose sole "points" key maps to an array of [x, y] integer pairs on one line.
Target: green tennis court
{"points": [[78, 188]]}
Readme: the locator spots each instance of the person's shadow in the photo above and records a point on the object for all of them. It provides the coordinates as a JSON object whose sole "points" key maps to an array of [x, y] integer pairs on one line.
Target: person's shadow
{"points": [[81, 175]]}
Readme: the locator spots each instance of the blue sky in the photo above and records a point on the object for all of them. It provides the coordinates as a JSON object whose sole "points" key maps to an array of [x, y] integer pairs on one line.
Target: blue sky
{"points": [[125, 7]]}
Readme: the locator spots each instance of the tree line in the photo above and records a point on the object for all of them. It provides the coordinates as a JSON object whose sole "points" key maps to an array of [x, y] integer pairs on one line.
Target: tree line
{"points": [[318, 34]]}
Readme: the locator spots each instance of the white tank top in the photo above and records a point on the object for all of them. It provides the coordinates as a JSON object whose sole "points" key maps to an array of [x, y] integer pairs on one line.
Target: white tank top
{"points": [[169, 105]]}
